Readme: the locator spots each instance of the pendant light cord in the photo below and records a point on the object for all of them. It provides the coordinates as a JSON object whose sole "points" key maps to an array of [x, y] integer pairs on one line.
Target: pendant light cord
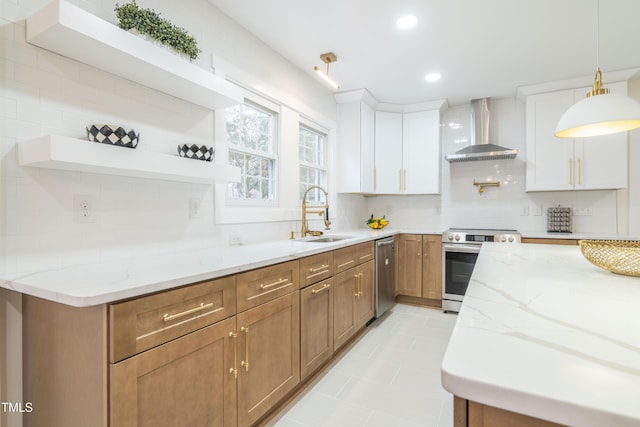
{"points": [[597, 33]]}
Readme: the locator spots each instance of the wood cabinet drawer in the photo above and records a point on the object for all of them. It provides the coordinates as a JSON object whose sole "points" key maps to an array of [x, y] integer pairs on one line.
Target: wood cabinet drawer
{"points": [[344, 259], [315, 268], [146, 322], [364, 252], [265, 284]]}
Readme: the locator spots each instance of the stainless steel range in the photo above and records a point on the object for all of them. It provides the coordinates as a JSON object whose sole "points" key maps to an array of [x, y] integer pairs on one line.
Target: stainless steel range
{"points": [[460, 249]]}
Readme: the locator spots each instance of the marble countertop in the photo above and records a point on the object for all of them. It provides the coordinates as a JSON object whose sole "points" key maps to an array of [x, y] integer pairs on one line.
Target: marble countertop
{"points": [[545, 333], [109, 281], [577, 235]]}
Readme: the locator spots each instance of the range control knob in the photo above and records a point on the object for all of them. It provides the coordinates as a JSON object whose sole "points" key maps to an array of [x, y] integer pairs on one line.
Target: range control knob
{"points": [[511, 239], [450, 237], [457, 237], [503, 239]]}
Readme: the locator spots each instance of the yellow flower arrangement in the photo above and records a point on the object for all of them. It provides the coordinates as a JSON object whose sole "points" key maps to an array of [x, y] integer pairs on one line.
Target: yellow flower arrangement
{"points": [[377, 223]]}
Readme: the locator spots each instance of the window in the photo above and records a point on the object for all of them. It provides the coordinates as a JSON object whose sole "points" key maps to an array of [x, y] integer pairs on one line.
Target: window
{"points": [[312, 155], [251, 131]]}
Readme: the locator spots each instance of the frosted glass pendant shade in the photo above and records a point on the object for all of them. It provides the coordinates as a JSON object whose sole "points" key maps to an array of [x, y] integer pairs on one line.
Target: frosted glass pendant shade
{"points": [[599, 115]]}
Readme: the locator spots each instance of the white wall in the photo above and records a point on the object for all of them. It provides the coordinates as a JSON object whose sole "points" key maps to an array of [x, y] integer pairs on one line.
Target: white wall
{"points": [[460, 204], [44, 93]]}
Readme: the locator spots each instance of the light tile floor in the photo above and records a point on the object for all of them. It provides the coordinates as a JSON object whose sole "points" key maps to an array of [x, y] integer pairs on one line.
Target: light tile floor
{"points": [[389, 378]]}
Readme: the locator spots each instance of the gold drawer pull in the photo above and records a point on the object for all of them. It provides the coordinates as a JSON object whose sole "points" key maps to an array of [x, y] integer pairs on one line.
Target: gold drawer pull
{"points": [[271, 285], [324, 287], [315, 270], [245, 362], [234, 370], [366, 256], [345, 263], [168, 317]]}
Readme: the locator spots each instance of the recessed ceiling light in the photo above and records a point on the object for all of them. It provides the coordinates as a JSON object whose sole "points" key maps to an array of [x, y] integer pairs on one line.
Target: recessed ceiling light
{"points": [[432, 77], [406, 22]]}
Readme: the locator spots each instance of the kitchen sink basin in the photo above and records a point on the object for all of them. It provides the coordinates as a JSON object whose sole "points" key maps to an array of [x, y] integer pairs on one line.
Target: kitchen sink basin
{"points": [[328, 239]]}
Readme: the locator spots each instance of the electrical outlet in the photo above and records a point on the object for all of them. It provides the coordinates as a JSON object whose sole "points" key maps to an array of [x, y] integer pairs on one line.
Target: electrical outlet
{"points": [[83, 207], [582, 211], [194, 207], [537, 210], [524, 211], [235, 240]]}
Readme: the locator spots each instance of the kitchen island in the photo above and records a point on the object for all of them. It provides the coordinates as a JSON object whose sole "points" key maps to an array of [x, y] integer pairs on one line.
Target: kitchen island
{"points": [[545, 334]]}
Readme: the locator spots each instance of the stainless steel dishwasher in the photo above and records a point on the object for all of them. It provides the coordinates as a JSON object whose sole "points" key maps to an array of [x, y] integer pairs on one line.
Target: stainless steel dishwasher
{"points": [[385, 275]]}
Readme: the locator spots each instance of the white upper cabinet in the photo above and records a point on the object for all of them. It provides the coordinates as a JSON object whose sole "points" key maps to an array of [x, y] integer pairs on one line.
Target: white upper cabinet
{"points": [[382, 152], [355, 150], [421, 152], [388, 153], [407, 154], [554, 164]]}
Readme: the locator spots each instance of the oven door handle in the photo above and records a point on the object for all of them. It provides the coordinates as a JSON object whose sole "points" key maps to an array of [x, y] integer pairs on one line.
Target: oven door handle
{"points": [[474, 249]]}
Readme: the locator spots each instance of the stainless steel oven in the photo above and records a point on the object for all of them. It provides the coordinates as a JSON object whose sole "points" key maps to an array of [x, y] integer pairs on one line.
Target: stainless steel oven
{"points": [[460, 250]]}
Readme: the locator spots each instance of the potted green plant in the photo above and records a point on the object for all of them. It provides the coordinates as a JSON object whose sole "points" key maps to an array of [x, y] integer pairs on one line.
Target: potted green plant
{"points": [[148, 22]]}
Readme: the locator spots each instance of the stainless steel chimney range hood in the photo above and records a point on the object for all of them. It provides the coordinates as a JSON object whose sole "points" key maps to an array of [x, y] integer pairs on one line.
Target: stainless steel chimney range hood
{"points": [[480, 148]]}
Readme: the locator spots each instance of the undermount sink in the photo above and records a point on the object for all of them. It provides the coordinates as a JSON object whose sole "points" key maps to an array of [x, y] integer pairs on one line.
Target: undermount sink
{"points": [[328, 239]]}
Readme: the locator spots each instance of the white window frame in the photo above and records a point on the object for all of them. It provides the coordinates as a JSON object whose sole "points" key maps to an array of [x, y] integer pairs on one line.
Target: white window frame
{"points": [[314, 127], [273, 109]]}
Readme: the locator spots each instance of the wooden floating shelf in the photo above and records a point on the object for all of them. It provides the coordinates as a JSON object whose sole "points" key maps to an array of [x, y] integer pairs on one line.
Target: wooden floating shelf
{"points": [[68, 30], [64, 153]]}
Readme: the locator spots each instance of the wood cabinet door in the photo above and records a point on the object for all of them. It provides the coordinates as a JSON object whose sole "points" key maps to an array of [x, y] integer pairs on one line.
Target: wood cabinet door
{"points": [[344, 307], [410, 265], [365, 309], [187, 381], [432, 266], [269, 353], [316, 326]]}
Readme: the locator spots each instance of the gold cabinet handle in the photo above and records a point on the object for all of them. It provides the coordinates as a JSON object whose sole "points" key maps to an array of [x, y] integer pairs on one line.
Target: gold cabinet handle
{"points": [[400, 179], [360, 291], [234, 370], [271, 285], [357, 294], [168, 317], [245, 362], [346, 263], [579, 173], [315, 270], [375, 179], [404, 180], [323, 288], [570, 172]]}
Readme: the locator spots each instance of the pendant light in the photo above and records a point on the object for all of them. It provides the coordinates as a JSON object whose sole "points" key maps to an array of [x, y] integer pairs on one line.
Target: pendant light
{"points": [[327, 58], [601, 113]]}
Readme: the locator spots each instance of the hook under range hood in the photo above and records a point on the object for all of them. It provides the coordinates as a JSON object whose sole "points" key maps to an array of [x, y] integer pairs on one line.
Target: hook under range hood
{"points": [[480, 149]]}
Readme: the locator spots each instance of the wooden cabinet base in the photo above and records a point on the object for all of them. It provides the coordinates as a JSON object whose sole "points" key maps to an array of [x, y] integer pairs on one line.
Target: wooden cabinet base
{"points": [[423, 302], [467, 413], [65, 364]]}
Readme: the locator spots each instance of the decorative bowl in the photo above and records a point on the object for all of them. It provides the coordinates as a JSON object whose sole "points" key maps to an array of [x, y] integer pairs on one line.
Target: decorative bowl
{"points": [[114, 135], [377, 223], [196, 151], [617, 256]]}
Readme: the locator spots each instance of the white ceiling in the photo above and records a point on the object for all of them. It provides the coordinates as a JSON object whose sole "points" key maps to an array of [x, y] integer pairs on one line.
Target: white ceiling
{"points": [[482, 48]]}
